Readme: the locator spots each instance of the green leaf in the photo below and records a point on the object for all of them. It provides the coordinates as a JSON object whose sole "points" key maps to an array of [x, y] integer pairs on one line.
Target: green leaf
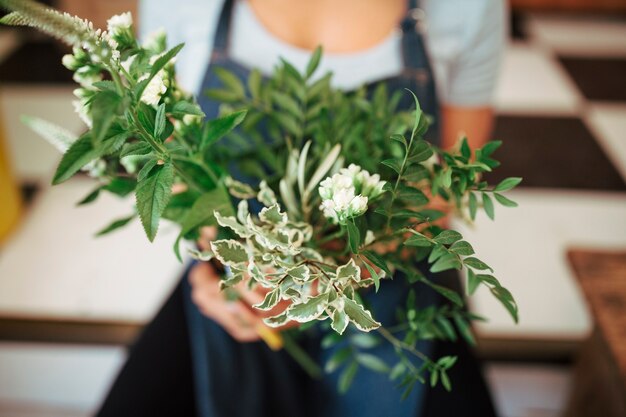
{"points": [[271, 300], [229, 251], [473, 281], [146, 169], [372, 362], [309, 310], [339, 321], [230, 81], [347, 376], [300, 274], [137, 148], [361, 318], [349, 271], [105, 107], [447, 261], [159, 121], [504, 200], [374, 275], [182, 108], [464, 329], [446, 292], [448, 237], [418, 239], [507, 184], [337, 358], [400, 139], [287, 103], [152, 195], [365, 340], [490, 147], [254, 83], [156, 67], [488, 206], [377, 260], [90, 198], [462, 248], [476, 264], [354, 237], [473, 205], [505, 297], [420, 151], [412, 195], [314, 62], [445, 381], [79, 154], [119, 223], [217, 128], [394, 164]]}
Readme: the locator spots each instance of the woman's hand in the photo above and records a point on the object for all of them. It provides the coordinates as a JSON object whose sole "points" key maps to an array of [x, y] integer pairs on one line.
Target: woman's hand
{"points": [[243, 322]]}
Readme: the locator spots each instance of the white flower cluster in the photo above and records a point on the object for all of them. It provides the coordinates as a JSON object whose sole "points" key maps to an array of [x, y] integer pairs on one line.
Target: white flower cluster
{"points": [[120, 23], [345, 195]]}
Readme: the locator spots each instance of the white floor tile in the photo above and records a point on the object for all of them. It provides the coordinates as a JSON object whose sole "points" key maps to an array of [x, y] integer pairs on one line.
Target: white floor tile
{"points": [[55, 267], [527, 248], [580, 35], [528, 390], [608, 123], [532, 82], [32, 157], [39, 378]]}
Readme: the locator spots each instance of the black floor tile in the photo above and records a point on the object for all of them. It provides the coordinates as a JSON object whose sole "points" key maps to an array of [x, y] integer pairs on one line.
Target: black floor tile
{"points": [[552, 152], [36, 63], [598, 78]]}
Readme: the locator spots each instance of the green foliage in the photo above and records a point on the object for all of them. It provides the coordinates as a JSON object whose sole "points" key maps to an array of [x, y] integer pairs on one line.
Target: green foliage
{"points": [[345, 179]]}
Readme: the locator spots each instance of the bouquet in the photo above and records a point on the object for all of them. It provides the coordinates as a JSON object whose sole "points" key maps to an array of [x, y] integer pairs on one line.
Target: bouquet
{"points": [[332, 202]]}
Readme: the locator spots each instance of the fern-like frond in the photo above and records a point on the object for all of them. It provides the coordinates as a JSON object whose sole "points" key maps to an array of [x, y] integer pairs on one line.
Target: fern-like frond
{"points": [[63, 26], [57, 136], [14, 19]]}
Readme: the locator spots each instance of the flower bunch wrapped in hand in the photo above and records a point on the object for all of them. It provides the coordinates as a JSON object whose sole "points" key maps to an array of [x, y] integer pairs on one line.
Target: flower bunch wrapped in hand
{"points": [[334, 203]]}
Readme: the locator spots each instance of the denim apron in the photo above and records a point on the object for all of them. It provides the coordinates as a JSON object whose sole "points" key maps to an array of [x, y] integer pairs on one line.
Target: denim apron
{"points": [[234, 379]]}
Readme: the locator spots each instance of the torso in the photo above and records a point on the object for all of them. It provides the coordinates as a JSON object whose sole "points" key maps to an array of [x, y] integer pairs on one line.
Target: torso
{"points": [[341, 26]]}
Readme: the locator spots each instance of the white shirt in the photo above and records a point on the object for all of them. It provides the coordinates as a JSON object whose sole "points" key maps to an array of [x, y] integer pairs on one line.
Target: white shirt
{"points": [[464, 39]]}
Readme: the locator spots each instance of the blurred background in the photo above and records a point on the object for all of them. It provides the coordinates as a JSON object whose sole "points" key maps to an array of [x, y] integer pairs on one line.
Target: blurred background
{"points": [[70, 305]]}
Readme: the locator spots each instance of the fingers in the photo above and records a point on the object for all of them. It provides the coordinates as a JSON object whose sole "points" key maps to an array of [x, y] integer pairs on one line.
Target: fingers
{"points": [[234, 316]]}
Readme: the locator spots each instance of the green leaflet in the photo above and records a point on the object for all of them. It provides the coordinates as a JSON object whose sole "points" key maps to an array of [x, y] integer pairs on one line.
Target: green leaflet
{"points": [[309, 310], [271, 300], [349, 271], [216, 129], [361, 318], [79, 154], [152, 195], [229, 252], [339, 321]]}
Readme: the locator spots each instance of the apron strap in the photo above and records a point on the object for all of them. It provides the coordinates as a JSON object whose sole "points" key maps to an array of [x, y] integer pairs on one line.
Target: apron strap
{"points": [[413, 47], [220, 43]]}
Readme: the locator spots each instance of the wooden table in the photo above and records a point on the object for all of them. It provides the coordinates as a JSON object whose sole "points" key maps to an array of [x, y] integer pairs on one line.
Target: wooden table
{"points": [[600, 374]]}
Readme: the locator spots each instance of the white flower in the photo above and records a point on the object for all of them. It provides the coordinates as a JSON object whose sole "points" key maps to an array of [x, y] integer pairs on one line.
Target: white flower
{"points": [[369, 237], [340, 200], [154, 90], [358, 206], [119, 23], [372, 185]]}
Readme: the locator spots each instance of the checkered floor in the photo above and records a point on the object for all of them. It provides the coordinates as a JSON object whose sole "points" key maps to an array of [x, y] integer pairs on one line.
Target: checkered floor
{"points": [[561, 112]]}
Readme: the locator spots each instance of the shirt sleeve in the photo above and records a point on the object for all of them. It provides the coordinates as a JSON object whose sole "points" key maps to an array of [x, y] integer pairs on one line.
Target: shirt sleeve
{"points": [[467, 43]]}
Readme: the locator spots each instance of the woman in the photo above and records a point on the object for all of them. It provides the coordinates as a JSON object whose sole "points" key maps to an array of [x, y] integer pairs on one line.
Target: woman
{"points": [[447, 52]]}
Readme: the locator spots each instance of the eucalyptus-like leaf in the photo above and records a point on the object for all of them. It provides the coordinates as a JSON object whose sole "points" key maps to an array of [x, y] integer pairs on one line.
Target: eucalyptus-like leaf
{"points": [[229, 252], [308, 310], [358, 315]]}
